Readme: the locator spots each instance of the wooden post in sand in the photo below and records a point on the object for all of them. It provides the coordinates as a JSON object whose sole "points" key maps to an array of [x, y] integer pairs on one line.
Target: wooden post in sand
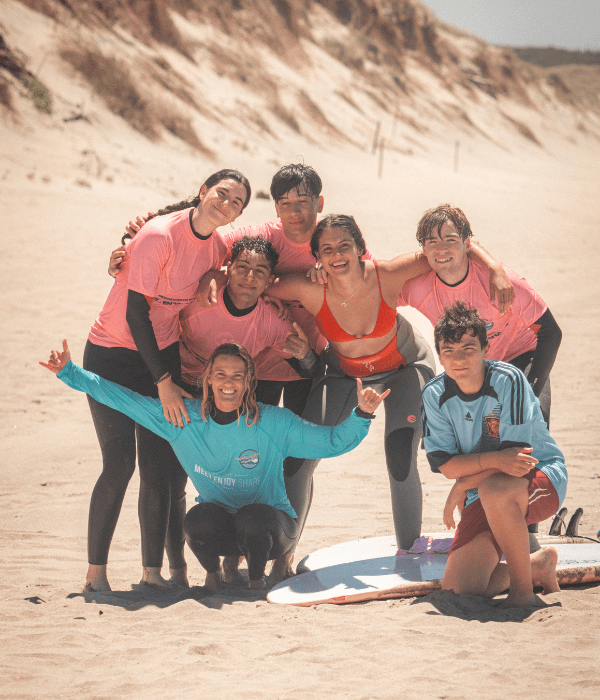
{"points": [[376, 137], [381, 150], [394, 123]]}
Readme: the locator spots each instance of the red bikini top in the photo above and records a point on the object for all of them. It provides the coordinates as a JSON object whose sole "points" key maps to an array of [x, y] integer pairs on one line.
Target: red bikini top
{"points": [[331, 329]]}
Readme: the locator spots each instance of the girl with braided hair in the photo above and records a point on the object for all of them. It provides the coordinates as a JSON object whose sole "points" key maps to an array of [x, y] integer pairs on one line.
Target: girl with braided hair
{"points": [[135, 343]]}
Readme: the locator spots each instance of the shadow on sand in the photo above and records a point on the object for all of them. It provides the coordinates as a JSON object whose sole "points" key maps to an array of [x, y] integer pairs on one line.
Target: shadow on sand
{"points": [[469, 607], [142, 595]]}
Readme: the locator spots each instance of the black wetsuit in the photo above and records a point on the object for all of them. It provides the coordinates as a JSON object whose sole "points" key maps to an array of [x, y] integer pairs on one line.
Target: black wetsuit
{"points": [[162, 480], [257, 531]]}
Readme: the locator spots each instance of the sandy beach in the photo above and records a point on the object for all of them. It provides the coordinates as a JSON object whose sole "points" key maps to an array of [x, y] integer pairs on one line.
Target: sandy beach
{"points": [[133, 643]]}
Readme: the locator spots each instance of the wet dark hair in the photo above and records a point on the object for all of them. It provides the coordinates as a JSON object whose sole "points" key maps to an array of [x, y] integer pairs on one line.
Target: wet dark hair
{"points": [[294, 176], [337, 221], [256, 244], [249, 407], [213, 180], [433, 219], [458, 319]]}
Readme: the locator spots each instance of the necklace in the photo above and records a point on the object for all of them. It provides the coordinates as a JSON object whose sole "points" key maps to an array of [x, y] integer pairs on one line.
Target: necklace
{"points": [[343, 303]]}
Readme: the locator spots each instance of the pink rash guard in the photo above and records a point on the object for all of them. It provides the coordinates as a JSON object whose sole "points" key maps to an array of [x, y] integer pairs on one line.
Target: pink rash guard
{"points": [[164, 262], [509, 335], [293, 257], [204, 328]]}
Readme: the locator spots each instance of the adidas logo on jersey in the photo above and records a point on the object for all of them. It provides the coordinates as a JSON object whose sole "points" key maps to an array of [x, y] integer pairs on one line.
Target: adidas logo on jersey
{"points": [[468, 417]]}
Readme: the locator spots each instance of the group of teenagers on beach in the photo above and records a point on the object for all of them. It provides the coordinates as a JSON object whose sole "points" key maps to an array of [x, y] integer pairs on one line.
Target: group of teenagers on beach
{"points": [[186, 365]]}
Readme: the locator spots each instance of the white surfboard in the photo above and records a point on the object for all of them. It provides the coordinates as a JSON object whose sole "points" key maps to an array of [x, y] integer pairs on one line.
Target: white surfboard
{"points": [[384, 575], [376, 547]]}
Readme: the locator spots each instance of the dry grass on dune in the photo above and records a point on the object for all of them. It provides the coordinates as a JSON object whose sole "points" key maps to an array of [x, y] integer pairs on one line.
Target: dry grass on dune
{"points": [[113, 81]]}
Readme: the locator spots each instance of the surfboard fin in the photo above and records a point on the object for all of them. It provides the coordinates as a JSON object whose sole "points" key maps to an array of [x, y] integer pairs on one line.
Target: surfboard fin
{"points": [[574, 523], [558, 522]]}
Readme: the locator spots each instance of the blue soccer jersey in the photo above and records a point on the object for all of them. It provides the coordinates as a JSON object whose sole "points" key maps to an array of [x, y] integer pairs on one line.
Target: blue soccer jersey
{"points": [[503, 413], [236, 464]]}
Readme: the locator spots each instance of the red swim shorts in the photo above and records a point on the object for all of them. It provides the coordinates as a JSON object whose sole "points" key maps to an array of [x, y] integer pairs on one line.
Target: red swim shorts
{"points": [[543, 504]]}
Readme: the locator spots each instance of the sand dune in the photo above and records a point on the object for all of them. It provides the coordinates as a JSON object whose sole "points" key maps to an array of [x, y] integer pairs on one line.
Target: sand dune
{"points": [[67, 191]]}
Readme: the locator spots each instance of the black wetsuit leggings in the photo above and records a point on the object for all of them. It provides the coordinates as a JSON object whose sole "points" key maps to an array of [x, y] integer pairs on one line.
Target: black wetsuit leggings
{"points": [[294, 393], [331, 401], [257, 531], [161, 505], [524, 362]]}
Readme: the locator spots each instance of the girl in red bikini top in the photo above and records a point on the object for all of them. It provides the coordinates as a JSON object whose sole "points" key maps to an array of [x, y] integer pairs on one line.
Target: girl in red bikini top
{"points": [[338, 244], [387, 358], [331, 329]]}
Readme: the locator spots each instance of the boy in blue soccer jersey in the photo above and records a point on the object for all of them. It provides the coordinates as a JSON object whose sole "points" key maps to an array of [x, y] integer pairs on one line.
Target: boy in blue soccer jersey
{"points": [[483, 427]]}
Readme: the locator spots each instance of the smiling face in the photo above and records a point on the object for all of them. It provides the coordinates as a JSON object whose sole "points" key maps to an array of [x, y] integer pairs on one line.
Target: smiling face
{"points": [[228, 382], [298, 211], [222, 203], [463, 361], [248, 277], [447, 253], [338, 252]]}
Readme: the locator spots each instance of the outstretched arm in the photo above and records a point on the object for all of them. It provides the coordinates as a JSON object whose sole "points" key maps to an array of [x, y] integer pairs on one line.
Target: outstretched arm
{"points": [[296, 287], [144, 410], [58, 359], [395, 272], [312, 441]]}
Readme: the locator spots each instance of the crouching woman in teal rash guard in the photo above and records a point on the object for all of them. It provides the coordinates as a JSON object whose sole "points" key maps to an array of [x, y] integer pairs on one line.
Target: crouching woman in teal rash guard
{"points": [[233, 450]]}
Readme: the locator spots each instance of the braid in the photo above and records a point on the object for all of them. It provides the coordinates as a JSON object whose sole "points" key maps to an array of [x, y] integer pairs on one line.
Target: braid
{"points": [[184, 204], [169, 209], [213, 180]]}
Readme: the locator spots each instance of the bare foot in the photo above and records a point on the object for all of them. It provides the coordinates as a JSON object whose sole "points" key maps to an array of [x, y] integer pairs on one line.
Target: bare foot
{"points": [[152, 577], [282, 568], [179, 577], [96, 579], [543, 573], [258, 585], [213, 582], [518, 600], [543, 569], [230, 567]]}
